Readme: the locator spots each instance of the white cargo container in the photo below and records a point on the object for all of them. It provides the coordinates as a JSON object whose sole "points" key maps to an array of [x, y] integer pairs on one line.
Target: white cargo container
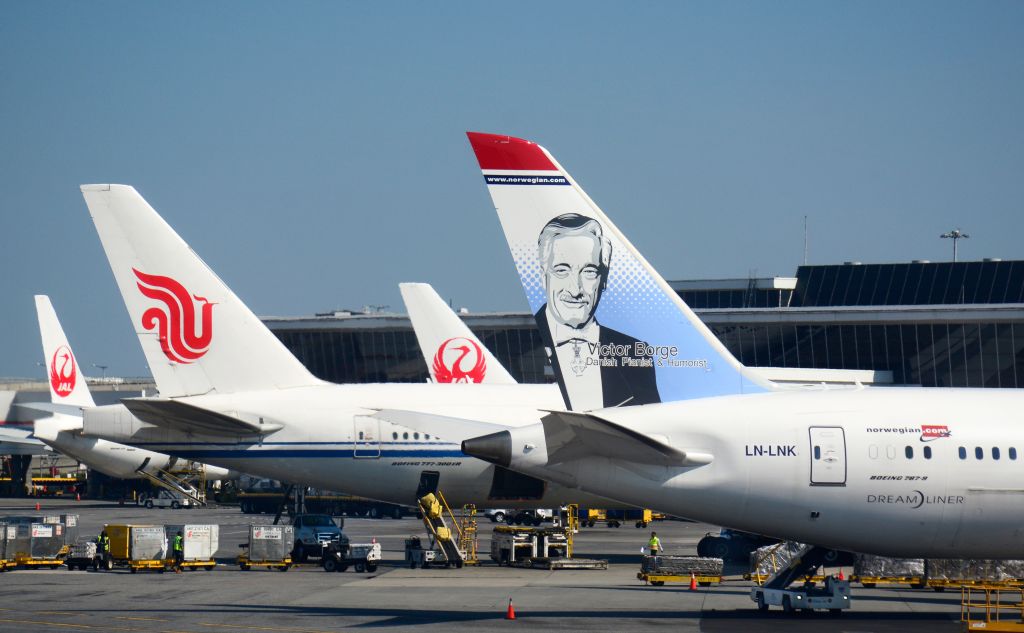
{"points": [[200, 541]]}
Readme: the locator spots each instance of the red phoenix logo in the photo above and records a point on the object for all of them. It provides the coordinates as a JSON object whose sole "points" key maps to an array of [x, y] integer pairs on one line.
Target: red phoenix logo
{"points": [[176, 322], [63, 371], [444, 372]]}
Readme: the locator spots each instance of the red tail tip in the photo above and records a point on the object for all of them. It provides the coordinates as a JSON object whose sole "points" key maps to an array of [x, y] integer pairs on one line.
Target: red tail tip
{"points": [[498, 151]]}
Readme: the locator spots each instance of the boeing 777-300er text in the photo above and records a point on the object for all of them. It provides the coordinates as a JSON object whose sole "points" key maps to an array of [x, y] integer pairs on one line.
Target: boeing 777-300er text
{"points": [[663, 416], [233, 395], [70, 396]]}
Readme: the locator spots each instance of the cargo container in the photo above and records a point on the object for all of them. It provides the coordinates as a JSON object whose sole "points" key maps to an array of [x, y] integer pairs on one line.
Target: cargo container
{"points": [[138, 546], [200, 544], [268, 546]]}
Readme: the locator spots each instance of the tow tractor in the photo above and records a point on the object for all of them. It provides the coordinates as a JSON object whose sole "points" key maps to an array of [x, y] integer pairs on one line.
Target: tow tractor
{"points": [[834, 596], [363, 557]]}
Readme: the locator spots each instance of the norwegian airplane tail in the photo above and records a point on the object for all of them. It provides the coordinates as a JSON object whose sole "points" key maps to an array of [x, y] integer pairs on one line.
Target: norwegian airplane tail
{"points": [[198, 337], [452, 352], [616, 332]]}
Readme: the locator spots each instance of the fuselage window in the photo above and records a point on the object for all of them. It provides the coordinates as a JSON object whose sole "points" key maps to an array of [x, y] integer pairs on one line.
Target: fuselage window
{"points": [[1013, 453], [405, 436], [394, 435], [963, 453], [927, 452], [873, 451], [978, 452], [890, 451], [995, 452], [817, 452], [427, 436], [360, 435], [416, 436], [909, 452]]}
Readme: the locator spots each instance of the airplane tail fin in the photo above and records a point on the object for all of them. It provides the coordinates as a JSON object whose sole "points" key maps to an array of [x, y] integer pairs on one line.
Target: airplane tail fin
{"points": [[67, 383], [198, 337], [452, 352], [616, 332]]}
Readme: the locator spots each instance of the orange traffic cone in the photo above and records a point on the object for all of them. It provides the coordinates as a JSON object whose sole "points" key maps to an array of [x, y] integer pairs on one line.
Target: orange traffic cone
{"points": [[841, 576], [37, 506], [78, 496], [693, 581], [511, 613]]}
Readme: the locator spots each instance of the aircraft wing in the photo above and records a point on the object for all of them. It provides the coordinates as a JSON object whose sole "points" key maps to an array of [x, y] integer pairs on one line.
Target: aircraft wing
{"points": [[571, 436], [189, 418], [19, 442]]}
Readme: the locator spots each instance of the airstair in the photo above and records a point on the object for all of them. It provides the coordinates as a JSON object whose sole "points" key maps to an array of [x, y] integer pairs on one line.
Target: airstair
{"points": [[440, 523], [178, 481]]}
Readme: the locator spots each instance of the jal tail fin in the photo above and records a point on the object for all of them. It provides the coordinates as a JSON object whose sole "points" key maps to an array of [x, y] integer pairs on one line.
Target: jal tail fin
{"points": [[452, 352], [67, 382], [198, 337], [616, 332]]}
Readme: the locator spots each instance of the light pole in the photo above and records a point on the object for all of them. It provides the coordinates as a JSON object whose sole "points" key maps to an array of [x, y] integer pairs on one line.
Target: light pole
{"points": [[102, 368], [955, 235]]}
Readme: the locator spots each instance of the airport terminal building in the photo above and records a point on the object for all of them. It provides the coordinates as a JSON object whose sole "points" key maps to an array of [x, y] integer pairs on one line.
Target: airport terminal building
{"points": [[921, 323]]}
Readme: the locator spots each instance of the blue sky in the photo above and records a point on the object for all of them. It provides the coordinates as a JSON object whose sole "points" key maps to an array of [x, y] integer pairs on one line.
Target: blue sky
{"points": [[313, 153]]}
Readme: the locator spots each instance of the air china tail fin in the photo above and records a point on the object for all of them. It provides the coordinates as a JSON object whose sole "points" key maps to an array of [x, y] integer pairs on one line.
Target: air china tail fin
{"points": [[452, 352], [67, 383], [616, 333], [198, 337]]}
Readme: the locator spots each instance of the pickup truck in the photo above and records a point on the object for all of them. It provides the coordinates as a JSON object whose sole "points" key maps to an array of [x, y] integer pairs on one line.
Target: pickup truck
{"points": [[314, 532]]}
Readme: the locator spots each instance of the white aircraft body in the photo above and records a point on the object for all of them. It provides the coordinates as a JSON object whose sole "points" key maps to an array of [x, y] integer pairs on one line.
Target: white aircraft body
{"points": [[233, 395], [663, 416], [69, 392]]}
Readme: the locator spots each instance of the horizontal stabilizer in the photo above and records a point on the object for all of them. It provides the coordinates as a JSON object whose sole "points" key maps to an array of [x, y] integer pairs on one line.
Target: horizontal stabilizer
{"points": [[189, 418], [443, 427], [52, 407], [572, 436]]}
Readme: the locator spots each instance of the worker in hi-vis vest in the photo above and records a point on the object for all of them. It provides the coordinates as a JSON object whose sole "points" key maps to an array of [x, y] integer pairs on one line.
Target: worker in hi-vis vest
{"points": [[179, 551], [654, 544]]}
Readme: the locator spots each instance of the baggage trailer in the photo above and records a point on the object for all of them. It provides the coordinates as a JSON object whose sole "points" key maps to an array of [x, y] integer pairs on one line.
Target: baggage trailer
{"points": [[82, 556], [268, 546], [658, 570], [138, 547], [37, 545], [362, 557], [200, 544]]}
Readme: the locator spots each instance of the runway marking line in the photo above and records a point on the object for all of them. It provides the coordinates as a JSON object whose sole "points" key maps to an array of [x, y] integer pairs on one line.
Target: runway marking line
{"points": [[70, 625], [126, 617], [262, 628]]}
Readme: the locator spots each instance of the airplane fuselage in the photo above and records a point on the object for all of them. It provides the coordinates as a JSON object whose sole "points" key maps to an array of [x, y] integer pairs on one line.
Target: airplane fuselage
{"points": [[892, 471], [330, 440]]}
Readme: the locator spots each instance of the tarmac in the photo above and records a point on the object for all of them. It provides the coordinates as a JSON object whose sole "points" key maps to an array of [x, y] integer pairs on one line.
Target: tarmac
{"points": [[308, 600]]}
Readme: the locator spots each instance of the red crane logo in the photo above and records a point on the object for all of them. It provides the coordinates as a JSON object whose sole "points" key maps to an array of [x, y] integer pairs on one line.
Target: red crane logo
{"points": [[454, 372], [175, 320], [63, 371]]}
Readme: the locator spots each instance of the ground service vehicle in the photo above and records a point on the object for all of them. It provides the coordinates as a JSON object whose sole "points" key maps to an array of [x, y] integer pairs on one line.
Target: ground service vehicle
{"points": [[314, 532]]}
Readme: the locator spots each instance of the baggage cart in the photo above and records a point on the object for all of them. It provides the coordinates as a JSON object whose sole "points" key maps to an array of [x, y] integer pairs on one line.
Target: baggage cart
{"points": [[268, 546], [200, 544]]}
